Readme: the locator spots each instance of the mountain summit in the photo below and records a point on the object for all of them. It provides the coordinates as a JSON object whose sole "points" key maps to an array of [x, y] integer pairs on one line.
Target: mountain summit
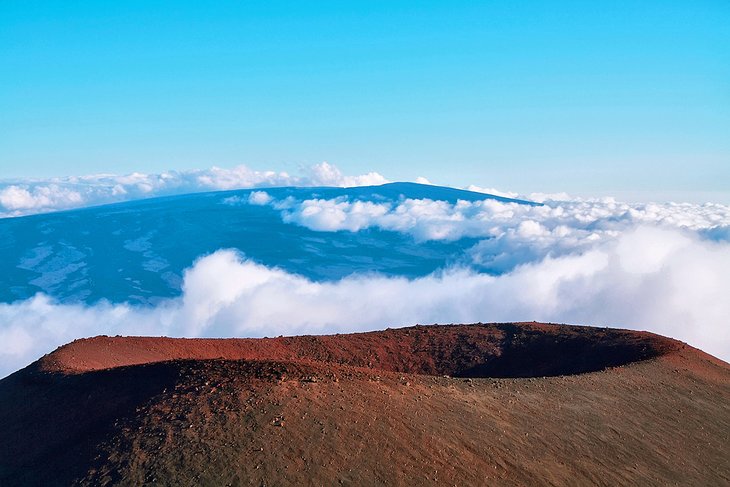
{"points": [[499, 404]]}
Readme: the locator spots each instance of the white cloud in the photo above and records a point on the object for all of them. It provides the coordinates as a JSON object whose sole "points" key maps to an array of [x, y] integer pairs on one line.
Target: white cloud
{"points": [[664, 280], [337, 214], [510, 233], [35, 196], [494, 191], [325, 174], [259, 198], [16, 198]]}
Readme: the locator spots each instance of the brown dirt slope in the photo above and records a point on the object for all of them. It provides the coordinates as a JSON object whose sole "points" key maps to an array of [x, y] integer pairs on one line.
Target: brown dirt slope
{"points": [[499, 404]]}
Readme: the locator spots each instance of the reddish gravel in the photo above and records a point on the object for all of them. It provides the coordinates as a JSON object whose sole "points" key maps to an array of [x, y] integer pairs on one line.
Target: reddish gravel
{"points": [[496, 350], [498, 404]]}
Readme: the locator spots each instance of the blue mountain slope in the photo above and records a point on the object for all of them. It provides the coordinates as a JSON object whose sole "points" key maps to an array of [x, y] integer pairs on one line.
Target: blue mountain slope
{"points": [[394, 192], [137, 251]]}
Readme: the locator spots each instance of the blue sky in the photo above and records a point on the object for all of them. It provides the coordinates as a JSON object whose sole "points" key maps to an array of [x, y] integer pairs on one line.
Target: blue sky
{"points": [[524, 96]]}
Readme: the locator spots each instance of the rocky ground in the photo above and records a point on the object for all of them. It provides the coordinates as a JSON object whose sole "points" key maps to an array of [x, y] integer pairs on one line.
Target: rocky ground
{"points": [[498, 404]]}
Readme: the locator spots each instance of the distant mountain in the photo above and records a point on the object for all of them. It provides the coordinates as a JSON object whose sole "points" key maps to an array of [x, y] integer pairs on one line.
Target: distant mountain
{"points": [[136, 251]]}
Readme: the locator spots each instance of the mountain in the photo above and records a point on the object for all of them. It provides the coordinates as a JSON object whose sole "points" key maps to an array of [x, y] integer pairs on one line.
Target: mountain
{"points": [[498, 404], [137, 251]]}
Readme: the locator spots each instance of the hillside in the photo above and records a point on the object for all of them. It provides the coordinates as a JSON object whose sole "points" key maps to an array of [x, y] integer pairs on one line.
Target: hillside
{"points": [[504, 404], [123, 252]]}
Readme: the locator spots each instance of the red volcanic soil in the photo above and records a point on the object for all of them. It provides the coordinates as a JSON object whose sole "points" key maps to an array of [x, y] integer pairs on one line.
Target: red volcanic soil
{"points": [[498, 404]]}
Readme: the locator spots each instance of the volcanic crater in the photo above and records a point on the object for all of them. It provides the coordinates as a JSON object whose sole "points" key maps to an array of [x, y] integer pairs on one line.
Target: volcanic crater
{"points": [[502, 404]]}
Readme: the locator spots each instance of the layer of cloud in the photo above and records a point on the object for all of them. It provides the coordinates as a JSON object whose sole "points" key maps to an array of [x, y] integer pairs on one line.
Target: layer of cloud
{"points": [[670, 282], [25, 197], [509, 234]]}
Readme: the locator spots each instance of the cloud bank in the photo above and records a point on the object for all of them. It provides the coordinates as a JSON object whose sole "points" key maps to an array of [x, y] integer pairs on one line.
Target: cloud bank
{"points": [[509, 234], [667, 281], [26, 197]]}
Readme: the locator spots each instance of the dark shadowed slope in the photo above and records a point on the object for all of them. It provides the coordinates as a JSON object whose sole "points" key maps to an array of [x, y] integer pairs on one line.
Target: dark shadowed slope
{"points": [[411, 406]]}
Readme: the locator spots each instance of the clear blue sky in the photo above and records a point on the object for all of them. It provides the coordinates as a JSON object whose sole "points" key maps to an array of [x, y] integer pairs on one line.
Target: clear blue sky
{"points": [[530, 95]]}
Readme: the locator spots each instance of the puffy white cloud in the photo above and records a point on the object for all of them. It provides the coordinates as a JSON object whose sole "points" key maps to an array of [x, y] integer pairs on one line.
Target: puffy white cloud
{"points": [[510, 233], [337, 214], [259, 198], [325, 174], [667, 281], [34, 196], [16, 198]]}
